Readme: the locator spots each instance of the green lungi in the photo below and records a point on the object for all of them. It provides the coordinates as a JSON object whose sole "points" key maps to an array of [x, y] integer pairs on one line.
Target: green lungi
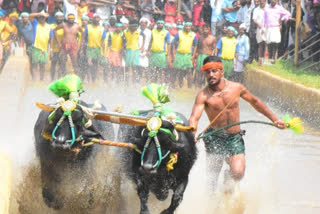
{"points": [[94, 53], [158, 59], [132, 57], [200, 59], [182, 61], [227, 67], [39, 56], [222, 143]]}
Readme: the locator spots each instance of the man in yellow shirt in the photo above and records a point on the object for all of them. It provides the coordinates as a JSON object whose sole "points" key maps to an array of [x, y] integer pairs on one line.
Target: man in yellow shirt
{"points": [[43, 35], [184, 49], [160, 43], [94, 36], [9, 35], [131, 37], [115, 43], [227, 47], [55, 58]]}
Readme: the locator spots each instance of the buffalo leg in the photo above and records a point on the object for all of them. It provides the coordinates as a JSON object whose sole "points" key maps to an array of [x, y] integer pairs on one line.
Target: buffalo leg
{"points": [[143, 192], [176, 197]]}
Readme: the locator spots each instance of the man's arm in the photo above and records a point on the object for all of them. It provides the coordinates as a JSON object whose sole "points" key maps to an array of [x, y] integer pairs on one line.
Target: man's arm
{"points": [[197, 110], [261, 107]]}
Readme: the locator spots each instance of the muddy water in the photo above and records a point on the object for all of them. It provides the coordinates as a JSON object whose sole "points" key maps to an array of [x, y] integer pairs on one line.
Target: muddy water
{"points": [[282, 173]]}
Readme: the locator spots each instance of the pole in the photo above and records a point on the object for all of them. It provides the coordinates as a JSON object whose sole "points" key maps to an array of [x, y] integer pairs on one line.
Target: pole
{"points": [[296, 42], [179, 7]]}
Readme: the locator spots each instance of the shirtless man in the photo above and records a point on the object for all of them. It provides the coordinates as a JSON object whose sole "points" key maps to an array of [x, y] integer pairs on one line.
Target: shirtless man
{"points": [[222, 96], [69, 45], [206, 47]]}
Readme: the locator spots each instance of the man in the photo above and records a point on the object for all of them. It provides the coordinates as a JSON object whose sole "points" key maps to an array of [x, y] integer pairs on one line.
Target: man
{"points": [[206, 47], [25, 31], [42, 37], [82, 58], [144, 59], [131, 37], [242, 54], [55, 58], [115, 52], [159, 58], [216, 15], [253, 34], [227, 48], [9, 35], [69, 44], [274, 13], [244, 14], [230, 9], [220, 100], [94, 36], [258, 19], [184, 49]]}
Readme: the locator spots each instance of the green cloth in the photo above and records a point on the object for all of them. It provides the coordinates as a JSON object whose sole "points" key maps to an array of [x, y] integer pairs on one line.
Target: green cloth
{"points": [[227, 67], [39, 56], [182, 61], [222, 143], [132, 57], [200, 59], [158, 59], [94, 53]]}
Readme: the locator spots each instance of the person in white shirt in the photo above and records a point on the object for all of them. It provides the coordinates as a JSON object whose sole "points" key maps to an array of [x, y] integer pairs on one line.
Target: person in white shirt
{"points": [[258, 19]]}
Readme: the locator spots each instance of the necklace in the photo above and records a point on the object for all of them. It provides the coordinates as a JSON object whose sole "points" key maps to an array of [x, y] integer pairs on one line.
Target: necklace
{"points": [[226, 83]]}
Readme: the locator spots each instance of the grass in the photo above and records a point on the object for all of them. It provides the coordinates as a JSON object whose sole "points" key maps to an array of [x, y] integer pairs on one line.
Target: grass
{"points": [[286, 70]]}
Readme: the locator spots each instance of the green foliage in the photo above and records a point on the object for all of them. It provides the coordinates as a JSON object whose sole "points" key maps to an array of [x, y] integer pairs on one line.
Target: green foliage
{"points": [[286, 70]]}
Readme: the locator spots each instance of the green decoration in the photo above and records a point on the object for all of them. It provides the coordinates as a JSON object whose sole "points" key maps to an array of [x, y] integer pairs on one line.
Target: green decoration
{"points": [[66, 85]]}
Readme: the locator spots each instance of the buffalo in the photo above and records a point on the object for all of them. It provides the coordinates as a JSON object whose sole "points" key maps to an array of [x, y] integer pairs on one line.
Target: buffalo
{"points": [[149, 170], [71, 173]]}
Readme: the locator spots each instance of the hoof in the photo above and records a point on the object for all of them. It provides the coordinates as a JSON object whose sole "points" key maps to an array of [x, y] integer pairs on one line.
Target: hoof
{"points": [[50, 200]]}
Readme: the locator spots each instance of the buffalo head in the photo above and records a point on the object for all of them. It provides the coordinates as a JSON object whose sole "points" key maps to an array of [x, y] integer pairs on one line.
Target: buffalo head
{"points": [[68, 126], [158, 140]]}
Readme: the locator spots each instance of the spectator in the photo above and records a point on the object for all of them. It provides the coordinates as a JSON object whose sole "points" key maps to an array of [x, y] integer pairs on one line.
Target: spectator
{"points": [[42, 37], [227, 49], [82, 9], [273, 15], [144, 59], [242, 53], [8, 36], [70, 7], [159, 57], [94, 37], [24, 6], [230, 9], [252, 35], [206, 12], [55, 57], [115, 49], [147, 9], [170, 11], [216, 15], [258, 19], [197, 7], [159, 8], [244, 14], [104, 11], [186, 6], [25, 31], [184, 49], [37, 6], [131, 36]]}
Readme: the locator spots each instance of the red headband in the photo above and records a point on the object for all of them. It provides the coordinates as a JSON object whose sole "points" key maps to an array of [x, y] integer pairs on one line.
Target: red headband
{"points": [[209, 65]]}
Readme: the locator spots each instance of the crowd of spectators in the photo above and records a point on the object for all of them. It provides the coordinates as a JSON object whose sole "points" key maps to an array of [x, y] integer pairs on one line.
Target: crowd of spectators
{"points": [[160, 39]]}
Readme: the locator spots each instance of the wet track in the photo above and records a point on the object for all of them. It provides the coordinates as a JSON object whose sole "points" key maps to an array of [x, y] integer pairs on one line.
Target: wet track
{"points": [[282, 169]]}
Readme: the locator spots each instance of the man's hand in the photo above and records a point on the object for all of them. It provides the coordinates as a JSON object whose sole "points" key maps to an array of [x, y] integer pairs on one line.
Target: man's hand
{"points": [[280, 124]]}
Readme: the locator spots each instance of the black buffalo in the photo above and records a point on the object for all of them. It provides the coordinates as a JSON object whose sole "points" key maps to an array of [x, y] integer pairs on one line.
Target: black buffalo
{"points": [[147, 175], [68, 170]]}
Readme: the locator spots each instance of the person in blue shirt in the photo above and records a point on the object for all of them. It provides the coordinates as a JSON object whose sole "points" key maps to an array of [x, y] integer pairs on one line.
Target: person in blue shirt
{"points": [[230, 9]]}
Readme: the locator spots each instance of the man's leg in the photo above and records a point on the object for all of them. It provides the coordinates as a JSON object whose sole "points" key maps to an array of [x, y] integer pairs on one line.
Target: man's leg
{"points": [[42, 69], [237, 165], [214, 163], [74, 61]]}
